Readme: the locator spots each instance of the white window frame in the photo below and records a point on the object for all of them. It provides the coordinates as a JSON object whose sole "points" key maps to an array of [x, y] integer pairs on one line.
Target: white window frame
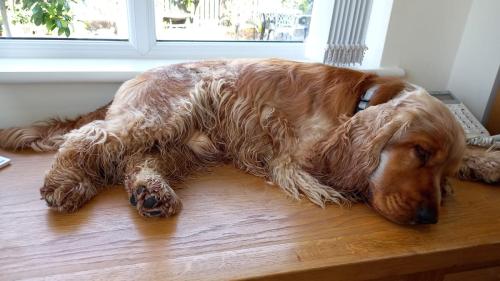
{"points": [[142, 44]]}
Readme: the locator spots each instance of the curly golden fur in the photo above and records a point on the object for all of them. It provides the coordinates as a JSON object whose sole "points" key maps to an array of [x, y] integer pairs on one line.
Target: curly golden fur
{"points": [[291, 123]]}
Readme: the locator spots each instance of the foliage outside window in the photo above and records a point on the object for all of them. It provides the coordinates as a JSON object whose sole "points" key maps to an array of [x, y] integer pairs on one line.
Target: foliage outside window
{"points": [[227, 20], [197, 20], [89, 19]]}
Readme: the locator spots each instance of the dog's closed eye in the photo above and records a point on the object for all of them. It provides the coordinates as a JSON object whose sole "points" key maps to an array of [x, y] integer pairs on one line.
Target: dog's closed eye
{"points": [[422, 154]]}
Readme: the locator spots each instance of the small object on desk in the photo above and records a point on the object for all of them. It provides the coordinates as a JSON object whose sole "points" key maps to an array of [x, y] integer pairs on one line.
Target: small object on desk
{"points": [[472, 127], [4, 161]]}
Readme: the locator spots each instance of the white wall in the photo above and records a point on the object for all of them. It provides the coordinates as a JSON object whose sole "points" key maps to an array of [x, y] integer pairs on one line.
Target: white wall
{"points": [[423, 38], [478, 58], [22, 104], [376, 32]]}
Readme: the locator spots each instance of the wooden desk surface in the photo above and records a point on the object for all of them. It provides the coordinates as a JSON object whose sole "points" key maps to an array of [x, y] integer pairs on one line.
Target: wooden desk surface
{"points": [[233, 226]]}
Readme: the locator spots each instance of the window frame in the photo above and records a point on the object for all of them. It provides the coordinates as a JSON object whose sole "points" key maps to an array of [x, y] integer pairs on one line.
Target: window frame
{"points": [[143, 44]]}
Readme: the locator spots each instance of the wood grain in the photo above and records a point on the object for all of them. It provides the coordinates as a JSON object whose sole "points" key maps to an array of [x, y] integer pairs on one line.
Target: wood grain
{"points": [[233, 226]]}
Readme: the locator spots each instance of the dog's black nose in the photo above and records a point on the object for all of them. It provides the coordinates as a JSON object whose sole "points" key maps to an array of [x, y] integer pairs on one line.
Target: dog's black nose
{"points": [[426, 215]]}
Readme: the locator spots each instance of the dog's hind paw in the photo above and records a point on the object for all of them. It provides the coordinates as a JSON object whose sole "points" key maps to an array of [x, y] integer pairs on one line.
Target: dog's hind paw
{"points": [[481, 165], [154, 198]]}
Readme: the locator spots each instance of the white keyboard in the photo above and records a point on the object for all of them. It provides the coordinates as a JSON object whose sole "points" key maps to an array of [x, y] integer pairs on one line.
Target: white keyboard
{"points": [[471, 125]]}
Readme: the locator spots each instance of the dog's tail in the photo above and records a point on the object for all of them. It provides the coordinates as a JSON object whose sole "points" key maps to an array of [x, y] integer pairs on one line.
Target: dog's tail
{"points": [[46, 135]]}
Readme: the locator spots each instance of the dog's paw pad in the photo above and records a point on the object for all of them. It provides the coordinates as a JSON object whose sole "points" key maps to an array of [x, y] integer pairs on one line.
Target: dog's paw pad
{"points": [[154, 198], [133, 200], [140, 190], [153, 213], [150, 202]]}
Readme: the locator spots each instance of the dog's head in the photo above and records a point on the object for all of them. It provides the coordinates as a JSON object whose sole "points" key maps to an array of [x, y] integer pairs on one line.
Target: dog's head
{"points": [[396, 156], [419, 145]]}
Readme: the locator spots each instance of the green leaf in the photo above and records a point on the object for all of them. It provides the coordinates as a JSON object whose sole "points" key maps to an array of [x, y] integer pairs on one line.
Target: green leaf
{"points": [[37, 19], [54, 14], [36, 10], [44, 5], [51, 24], [28, 3]]}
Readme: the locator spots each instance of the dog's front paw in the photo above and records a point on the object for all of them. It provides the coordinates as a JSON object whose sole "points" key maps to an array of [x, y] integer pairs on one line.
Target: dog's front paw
{"points": [[154, 198], [66, 195]]}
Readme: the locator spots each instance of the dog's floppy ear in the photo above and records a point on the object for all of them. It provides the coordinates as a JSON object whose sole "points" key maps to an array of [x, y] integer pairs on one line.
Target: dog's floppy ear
{"points": [[385, 129], [352, 152], [380, 125]]}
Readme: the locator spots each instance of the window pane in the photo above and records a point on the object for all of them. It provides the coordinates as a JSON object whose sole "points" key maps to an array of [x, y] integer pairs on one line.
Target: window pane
{"points": [[85, 19], [247, 20]]}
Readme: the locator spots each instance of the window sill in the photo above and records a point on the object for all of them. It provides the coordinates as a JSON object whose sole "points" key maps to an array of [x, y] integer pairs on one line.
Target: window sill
{"points": [[18, 71], [73, 70]]}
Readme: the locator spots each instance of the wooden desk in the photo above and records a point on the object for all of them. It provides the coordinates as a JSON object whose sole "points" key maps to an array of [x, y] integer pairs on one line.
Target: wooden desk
{"points": [[234, 226]]}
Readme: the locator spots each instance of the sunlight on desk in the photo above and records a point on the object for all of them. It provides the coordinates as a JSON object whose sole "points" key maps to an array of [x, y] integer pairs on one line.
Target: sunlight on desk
{"points": [[235, 226]]}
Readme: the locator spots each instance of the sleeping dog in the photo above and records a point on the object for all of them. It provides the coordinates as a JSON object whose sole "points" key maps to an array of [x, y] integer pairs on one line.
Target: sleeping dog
{"points": [[331, 135]]}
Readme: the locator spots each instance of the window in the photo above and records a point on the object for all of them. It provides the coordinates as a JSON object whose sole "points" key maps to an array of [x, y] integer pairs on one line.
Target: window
{"points": [[171, 29], [165, 29], [76, 19], [227, 20]]}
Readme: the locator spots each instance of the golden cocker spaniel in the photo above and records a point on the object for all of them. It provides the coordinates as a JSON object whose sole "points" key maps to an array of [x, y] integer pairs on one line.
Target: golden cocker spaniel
{"points": [[329, 134]]}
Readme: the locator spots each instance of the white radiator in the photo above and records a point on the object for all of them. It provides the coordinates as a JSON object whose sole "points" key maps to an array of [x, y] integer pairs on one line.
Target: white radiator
{"points": [[346, 43]]}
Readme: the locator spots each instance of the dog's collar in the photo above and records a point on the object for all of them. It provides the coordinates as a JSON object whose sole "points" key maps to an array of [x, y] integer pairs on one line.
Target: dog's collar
{"points": [[366, 98], [364, 102]]}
